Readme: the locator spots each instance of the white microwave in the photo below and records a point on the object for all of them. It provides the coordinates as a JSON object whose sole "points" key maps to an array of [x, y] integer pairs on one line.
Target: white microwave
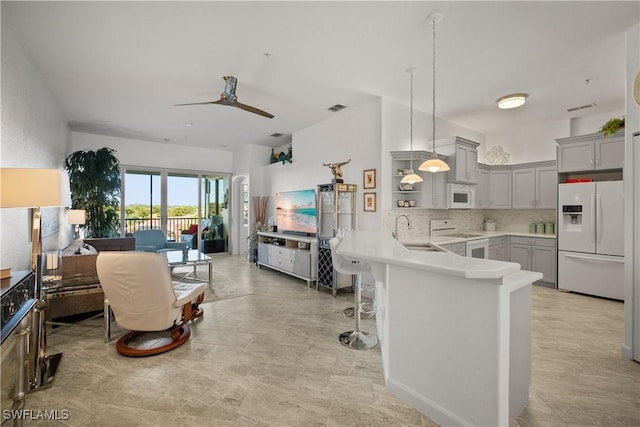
{"points": [[460, 196]]}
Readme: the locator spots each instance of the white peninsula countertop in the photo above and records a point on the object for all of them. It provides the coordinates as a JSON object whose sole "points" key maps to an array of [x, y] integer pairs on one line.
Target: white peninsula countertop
{"points": [[454, 332], [373, 246]]}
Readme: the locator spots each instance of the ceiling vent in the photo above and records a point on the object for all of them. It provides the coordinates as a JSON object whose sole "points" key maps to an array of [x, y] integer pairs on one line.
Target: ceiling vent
{"points": [[276, 135], [337, 107], [582, 107]]}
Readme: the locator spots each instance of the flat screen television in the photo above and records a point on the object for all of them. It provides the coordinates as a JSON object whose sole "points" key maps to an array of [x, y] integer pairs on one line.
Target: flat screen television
{"points": [[296, 212]]}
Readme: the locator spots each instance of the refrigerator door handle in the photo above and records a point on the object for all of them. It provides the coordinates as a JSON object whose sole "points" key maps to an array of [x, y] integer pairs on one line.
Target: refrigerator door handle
{"points": [[599, 218], [588, 258], [592, 221]]}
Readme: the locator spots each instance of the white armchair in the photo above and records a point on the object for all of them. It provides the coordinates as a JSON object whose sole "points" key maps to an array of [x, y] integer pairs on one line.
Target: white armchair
{"points": [[143, 298]]}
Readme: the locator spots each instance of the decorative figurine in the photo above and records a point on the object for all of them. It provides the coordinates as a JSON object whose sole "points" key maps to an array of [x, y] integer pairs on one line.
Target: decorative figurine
{"points": [[336, 170]]}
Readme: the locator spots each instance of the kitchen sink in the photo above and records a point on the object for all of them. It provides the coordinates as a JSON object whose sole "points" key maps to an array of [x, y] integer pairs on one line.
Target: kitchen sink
{"points": [[425, 247]]}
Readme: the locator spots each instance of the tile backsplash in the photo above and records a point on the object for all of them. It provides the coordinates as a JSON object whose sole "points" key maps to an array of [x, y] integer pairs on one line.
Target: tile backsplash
{"points": [[516, 220]]}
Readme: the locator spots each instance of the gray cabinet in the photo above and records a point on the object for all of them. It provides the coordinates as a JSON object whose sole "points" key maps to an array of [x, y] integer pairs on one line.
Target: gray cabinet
{"points": [[534, 187], [535, 254], [523, 182], [500, 189], [498, 248], [456, 248], [483, 191], [590, 152], [546, 187], [462, 159], [435, 190]]}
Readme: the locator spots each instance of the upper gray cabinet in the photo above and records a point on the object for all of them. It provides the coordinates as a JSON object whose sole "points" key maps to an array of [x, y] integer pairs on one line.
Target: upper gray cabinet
{"points": [[483, 191], [435, 187], [534, 187], [500, 188], [591, 152], [462, 159]]}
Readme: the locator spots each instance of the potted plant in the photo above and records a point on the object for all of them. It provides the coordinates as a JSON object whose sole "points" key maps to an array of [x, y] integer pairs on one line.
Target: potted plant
{"points": [[94, 179], [612, 126], [252, 241]]}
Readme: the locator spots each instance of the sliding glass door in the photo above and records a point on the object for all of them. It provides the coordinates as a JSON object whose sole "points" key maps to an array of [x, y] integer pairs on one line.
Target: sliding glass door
{"points": [[142, 201], [182, 205], [189, 207]]}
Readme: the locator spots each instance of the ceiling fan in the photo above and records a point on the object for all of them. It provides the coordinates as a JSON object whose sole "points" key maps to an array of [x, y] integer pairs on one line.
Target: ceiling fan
{"points": [[228, 97]]}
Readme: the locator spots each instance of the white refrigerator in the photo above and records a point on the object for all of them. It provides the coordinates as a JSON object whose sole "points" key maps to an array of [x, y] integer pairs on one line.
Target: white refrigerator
{"points": [[591, 238]]}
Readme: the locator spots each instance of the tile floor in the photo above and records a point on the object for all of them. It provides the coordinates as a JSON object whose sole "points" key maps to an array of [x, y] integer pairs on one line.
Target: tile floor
{"points": [[272, 359]]}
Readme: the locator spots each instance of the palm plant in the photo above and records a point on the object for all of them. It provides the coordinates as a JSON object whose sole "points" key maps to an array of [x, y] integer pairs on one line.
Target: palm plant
{"points": [[94, 178]]}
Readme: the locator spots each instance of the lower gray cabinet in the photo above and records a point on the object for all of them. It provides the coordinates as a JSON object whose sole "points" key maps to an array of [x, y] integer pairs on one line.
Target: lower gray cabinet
{"points": [[456, 248], [498, 248], [535, 254]]}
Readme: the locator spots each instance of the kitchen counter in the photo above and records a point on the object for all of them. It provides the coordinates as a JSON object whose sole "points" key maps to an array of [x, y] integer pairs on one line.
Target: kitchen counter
{"points": [[454, 332], [443, 240], [379, 248]]}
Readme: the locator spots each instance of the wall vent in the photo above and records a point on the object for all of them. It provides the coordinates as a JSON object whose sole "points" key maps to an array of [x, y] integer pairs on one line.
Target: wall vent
{"points": [[276, 135], [582, 107], [337, 107]]}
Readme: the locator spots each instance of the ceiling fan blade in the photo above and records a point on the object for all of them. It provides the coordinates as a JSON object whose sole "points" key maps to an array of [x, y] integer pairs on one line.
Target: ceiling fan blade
{"points": [[252, 109], [196, 103]]}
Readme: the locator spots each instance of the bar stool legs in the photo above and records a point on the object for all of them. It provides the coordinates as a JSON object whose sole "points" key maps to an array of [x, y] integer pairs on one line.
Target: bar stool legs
{"points": [[356, 339]]}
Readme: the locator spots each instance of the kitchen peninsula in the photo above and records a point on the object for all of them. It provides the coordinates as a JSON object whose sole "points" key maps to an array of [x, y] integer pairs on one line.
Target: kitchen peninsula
{"points": [[455, 332]]}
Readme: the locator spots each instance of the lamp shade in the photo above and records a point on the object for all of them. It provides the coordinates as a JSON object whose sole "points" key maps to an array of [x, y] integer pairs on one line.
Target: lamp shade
{"points": [[33, 188], [434, 165], [77, 216], [412, 178]]}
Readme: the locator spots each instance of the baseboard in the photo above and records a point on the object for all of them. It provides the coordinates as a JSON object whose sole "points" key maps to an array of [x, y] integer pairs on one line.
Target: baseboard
{"points": [[627, 352], [429, 408]]}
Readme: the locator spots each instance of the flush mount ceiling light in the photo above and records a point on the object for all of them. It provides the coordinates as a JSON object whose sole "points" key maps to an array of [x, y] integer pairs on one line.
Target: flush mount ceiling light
{"points": [[513, 100], [411, 178], [434, 164]]}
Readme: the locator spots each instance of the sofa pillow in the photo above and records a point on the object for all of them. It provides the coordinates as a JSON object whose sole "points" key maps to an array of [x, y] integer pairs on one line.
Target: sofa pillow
{"points": [[193, 229], [90, 249]]}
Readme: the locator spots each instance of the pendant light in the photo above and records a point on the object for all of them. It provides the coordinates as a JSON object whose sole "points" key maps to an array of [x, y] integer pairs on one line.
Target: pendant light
{"points": [[411, 178], [434, 164]]}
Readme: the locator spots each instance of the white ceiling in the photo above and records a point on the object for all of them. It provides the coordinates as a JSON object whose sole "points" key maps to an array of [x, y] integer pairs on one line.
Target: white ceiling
{"points": [[117, 68]]}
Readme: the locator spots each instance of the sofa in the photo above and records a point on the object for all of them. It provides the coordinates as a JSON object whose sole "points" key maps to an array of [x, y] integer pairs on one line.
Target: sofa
{"points": [[213, 239], [155, 241], [78, 289]]}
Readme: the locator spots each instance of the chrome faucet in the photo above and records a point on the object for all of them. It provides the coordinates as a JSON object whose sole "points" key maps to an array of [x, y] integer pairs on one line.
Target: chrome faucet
{"points": [[395, 233]]}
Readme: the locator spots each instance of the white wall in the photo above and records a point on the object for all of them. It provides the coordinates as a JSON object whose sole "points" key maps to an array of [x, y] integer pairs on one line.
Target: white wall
{"points": [[353, 133], [530, 143], [136, 152], [34, 135]]}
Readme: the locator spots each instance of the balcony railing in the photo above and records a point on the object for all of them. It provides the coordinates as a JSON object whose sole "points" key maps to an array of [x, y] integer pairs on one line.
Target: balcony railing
{"points": [[174, 225]]}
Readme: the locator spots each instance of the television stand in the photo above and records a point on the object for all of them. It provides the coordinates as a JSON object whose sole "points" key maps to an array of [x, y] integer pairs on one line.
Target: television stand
{"points": [[294, 255]]}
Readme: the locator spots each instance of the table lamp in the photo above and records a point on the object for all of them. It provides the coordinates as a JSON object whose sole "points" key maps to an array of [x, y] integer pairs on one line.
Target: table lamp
{"points": [[76, 217], [36, 188]]}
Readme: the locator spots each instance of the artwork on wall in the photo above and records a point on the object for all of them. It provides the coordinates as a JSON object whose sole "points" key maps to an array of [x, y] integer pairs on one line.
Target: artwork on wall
{"points": [[369, 202], [369, 179], [49, 221]]}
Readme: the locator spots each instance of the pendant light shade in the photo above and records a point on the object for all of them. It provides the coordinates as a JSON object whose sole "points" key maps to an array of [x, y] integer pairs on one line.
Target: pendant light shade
{"points": [[411, 177], [434, 164]]}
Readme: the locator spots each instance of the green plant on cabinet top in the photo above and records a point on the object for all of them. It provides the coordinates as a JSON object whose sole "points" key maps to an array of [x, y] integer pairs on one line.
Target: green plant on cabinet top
{"points": [[612, 126]]}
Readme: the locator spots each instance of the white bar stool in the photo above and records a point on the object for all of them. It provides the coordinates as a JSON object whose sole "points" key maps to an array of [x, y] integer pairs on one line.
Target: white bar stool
{"points": [[356, 339]]}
